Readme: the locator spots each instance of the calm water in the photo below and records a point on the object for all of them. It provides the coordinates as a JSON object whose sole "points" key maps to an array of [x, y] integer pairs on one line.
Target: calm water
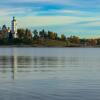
{"points": [[49, 74]]}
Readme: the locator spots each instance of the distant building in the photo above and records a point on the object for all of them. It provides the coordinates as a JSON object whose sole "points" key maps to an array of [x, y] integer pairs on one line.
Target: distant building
{"points": [[14, 28], [7, 32], [4, 31]]}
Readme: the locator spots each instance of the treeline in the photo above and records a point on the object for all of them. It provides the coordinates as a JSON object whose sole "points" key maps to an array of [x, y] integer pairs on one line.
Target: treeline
{"points": [[45, 38]]}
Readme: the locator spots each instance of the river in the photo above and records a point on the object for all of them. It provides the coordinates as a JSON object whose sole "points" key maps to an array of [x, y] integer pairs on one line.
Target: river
{"points": [[49, 73]]}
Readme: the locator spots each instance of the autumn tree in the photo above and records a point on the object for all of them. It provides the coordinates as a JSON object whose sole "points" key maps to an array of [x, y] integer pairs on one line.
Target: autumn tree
{"points": [[52, 35], [28, 34], [24, 33], [63, 37], [92, 42], [74, 39], [21, 33]]}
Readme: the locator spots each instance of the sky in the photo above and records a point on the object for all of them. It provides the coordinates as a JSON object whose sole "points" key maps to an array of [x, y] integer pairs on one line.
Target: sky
{"points": [[69, 17]]}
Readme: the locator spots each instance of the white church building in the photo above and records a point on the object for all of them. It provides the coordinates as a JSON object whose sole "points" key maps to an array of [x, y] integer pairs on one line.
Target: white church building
{"points": [[14, 27]]}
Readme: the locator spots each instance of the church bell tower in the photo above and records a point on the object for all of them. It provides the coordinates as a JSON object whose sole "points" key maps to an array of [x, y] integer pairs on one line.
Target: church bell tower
{"points": [[14, 27]]}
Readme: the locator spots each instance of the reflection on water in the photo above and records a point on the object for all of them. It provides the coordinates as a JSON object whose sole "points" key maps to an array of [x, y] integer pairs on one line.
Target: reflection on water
{"points": [[62, 73], [15, 64]]}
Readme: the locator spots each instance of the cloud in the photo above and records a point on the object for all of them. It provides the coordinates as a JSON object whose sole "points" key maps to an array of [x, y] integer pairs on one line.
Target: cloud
{"points": [[46, 20], [59, 15], [38, 11], [57, 20], [40, 1], [80, 3]]}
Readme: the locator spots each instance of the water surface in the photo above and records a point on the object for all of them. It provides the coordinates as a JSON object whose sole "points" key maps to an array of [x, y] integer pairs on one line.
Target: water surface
{"points": [[49, 74]]}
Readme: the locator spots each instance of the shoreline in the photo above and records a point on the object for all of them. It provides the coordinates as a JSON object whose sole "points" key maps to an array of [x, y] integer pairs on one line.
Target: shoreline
{"points": [[29, 46]]}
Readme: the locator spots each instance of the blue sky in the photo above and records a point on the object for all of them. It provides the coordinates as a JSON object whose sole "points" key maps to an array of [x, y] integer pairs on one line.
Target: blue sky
{"points": [[71, 17]]}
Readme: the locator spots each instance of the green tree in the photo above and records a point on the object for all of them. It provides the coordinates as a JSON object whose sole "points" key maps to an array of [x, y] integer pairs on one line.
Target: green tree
{"points": [[43, 34], [98, 41], [35, 33]]}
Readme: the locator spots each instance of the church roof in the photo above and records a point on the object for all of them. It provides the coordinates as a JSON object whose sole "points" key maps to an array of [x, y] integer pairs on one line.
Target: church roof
{"points": [[14, 19]]}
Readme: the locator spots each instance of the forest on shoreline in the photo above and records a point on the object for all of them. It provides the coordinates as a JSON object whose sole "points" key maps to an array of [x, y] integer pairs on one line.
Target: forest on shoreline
{"points": [[46, 39]]}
